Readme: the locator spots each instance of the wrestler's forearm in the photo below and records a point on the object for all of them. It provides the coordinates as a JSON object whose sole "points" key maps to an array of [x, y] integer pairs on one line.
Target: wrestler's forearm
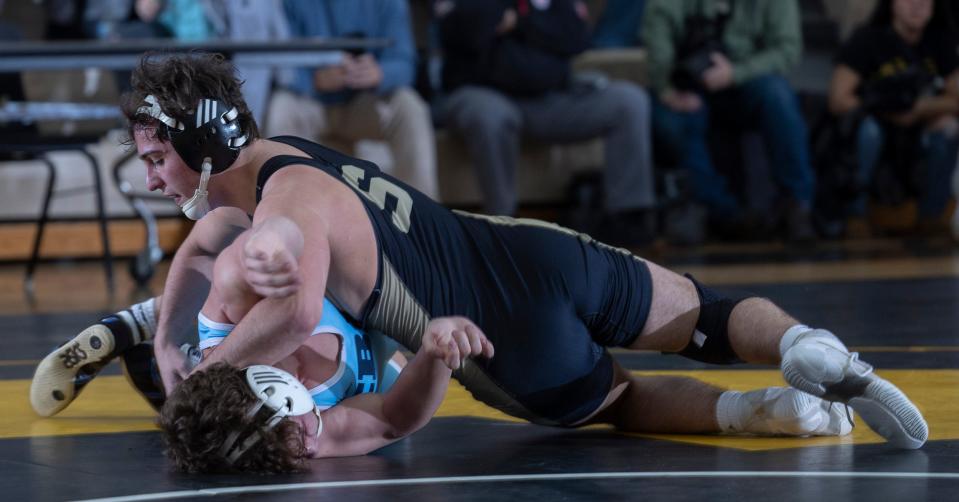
{"points": [[191, 273], [268, 333], [184, 292], [416, 395]]}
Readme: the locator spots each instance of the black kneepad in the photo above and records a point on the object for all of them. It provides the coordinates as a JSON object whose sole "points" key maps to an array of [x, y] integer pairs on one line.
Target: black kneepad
{"points": [[710, 342]]}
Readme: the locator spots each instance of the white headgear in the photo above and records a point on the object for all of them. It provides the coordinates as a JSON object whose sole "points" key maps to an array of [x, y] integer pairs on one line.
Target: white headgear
{"points": [[280, 392]]}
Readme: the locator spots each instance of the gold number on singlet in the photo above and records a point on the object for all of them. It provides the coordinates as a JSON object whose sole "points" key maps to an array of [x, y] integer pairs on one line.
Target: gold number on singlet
{"points": [[377, 192]]}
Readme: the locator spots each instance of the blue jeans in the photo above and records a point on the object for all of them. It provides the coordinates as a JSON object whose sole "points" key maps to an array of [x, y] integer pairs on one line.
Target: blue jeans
{"points": [[938, 153], [765, 103]]}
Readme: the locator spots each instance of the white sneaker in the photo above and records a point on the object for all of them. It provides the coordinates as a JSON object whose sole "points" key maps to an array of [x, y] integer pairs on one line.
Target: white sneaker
{"points": [[823, 367], [63, 373], [781, 411]]}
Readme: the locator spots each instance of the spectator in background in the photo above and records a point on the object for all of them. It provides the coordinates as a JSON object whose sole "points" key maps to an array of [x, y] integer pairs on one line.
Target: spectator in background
{"points": [[121, 19], [188, 20], [260, 20], [507, 69], [901, 73], [367, 95], [116, 20], [726, 60], [617, 24]]}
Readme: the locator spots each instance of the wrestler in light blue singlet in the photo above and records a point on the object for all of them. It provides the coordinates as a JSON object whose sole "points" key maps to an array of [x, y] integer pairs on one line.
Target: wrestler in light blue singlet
{"points": [[365, 358]]}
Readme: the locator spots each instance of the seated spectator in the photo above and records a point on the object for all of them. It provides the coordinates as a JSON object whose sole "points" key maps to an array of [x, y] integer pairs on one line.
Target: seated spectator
{"points": [[900, 73], [368, 95], [724, 60], [122, 19], [116, 20], [507, 69], [184, 19], [263, 20]]}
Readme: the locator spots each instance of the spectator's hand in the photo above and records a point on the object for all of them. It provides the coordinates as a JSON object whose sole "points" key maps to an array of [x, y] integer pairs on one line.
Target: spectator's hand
{"points": [[681, 101], [269, 267], [912, 116], [720, 75], [453, 339], [362, 72], [331, 78], [507, 23], [925, 111], [903, 119]]}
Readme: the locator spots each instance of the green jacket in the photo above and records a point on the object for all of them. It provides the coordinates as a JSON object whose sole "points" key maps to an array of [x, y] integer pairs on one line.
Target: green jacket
{"points": [[761, 36]]}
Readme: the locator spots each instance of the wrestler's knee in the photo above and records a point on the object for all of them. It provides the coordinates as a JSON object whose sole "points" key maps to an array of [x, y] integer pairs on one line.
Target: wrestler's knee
{"points": [[710, 340]]}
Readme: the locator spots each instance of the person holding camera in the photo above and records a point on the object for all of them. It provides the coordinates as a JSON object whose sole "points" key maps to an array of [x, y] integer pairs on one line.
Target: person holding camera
{"points": [[367, 95], [508, 74], [725, 59], [900, 74]]}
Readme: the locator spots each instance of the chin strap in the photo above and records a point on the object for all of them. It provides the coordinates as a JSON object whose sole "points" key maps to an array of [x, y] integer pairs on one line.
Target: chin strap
{"points": [[199, 205]]}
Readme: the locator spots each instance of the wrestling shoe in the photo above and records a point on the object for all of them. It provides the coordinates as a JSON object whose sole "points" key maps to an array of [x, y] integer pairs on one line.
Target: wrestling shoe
{"points": [[63, 373], [781, 411], [818, 363]]}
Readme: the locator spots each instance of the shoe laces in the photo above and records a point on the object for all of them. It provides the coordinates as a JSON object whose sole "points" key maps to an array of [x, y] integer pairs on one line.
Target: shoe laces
{"points": [[846, 410], [855, 366]]}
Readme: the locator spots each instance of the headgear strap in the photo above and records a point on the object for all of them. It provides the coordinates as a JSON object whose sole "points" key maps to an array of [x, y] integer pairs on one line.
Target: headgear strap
{"points": [[279, 391]]}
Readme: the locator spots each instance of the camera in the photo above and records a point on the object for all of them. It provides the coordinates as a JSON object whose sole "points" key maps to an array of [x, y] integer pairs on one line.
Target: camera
{"points": [[897, 93], [702, 36]]}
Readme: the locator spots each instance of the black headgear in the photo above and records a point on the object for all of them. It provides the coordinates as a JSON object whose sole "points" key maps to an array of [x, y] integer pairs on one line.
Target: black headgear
{"points": [[212, 131]]}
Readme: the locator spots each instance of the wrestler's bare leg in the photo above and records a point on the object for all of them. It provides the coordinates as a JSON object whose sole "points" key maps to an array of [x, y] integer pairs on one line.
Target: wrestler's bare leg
{"points": [[813, 361]]}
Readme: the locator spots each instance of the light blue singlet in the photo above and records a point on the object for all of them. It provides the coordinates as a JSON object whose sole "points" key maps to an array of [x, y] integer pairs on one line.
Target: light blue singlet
{"points": [[365, 358]]}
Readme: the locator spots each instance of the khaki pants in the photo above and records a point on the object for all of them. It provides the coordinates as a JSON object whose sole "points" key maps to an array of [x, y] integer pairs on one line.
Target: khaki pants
{"points": [[401, 119]]}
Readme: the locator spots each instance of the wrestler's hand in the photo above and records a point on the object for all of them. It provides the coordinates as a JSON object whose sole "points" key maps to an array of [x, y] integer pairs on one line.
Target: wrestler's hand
{"points": [[270, 261], [174, 366], [453, 339]]}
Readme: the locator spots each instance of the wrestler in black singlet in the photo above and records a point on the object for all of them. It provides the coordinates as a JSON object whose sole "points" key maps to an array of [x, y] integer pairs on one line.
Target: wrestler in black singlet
{"points": [[548, 299]]}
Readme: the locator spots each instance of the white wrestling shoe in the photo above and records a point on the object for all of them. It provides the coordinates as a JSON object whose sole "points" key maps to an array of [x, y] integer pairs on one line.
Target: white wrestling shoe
{"points": [[63, 373], [781, 411], [819, 364]]}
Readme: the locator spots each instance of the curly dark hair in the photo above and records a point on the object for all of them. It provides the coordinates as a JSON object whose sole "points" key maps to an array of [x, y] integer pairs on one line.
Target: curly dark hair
{"points": [[179, 82], [209, 405]]}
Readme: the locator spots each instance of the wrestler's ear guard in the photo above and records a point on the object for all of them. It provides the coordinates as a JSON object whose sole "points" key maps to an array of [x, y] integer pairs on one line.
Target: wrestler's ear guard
{"points": [[208, 140], [211, 133], [278, 391]]}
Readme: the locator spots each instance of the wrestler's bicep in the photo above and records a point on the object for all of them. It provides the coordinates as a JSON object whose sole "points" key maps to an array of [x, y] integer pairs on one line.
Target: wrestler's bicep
{"points": [[355, 426]]}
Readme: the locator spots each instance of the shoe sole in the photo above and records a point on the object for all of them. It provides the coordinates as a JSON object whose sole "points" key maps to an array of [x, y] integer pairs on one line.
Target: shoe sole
{"points": [[54, 384], [890, 414], [879, 403]]}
